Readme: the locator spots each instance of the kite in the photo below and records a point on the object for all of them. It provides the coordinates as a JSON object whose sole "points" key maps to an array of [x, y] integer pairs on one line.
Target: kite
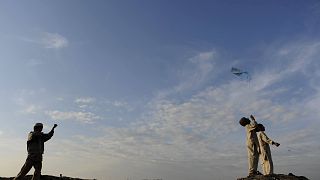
{"points": [[240, 73]]}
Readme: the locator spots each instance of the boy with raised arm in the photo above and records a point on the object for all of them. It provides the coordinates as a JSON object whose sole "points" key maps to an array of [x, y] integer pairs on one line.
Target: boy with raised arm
{"points": [[35, 147], [252, 144]]}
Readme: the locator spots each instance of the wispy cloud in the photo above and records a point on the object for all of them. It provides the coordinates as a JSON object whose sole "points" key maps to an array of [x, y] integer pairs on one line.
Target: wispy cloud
{"points": [[121, 104], [31, 109], [201, 66], [189, 131], [54, 41], [85, 100], [194, 73], [48, 40], [287, 61], [83, 117], [27, 100]]}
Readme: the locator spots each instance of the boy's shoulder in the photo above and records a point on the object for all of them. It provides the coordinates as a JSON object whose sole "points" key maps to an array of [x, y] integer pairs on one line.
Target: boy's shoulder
{"points": [[250, 126]]}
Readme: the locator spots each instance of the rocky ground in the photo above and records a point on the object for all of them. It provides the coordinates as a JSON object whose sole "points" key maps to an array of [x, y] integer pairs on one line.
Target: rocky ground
{"points": [[46, 177], [290, 176]]}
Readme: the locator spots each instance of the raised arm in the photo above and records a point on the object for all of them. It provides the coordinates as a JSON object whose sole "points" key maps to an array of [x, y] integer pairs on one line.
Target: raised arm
{"points": [[254, 122], [48, 136], [266, 139]]}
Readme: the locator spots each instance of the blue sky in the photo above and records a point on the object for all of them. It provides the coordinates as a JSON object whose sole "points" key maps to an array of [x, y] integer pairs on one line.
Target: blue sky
{"points": [[143, 89]]}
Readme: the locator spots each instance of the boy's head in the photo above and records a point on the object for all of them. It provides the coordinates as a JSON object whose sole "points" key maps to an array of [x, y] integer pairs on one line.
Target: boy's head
{"points": [[38, 127], [260, 127], [244, 121]]}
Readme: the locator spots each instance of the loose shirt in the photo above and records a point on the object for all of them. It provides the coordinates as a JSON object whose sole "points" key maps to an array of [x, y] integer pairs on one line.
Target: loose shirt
{"points": [[35, 143], [264, 142], [252, 138]]}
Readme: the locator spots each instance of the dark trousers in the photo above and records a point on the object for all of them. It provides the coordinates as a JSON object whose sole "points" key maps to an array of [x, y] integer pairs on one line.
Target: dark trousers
{"points": [[33, 160]]}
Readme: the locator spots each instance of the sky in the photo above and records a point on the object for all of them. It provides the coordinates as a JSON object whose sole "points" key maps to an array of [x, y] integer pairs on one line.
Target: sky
{"points": [[143, 89]]}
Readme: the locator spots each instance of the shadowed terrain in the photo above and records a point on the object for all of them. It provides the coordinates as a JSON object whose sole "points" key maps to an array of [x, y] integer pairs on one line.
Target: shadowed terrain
{"points": [[290, 176], [46, 177]]}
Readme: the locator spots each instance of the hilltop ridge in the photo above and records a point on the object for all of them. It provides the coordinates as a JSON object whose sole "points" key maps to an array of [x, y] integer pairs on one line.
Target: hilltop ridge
{"points": [[46, 177], [290, 176]]}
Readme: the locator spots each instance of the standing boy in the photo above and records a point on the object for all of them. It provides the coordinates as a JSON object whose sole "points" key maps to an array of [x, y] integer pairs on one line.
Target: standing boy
{"points": [[265, 153], [252, 144], [35, 147]]}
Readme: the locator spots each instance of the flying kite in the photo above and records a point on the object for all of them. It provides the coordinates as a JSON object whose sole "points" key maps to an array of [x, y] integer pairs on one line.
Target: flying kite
{"points": [[240, 73]]}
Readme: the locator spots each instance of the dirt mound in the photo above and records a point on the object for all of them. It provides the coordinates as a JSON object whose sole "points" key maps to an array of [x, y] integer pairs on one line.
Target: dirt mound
{"points": [[47, 177], [290, 176]]}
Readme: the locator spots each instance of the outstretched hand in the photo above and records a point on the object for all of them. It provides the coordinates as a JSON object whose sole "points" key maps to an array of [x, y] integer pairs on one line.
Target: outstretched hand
{"points": [[54, 126], [251, 116], [277, 144]]}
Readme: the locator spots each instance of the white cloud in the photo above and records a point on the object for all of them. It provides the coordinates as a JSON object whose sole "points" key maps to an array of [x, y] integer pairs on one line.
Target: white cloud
{"points": [[197, 70], [123, 104], [54, 41], [47, 40], [21, 96], [189, 131], [28, 100], [286, 61], [85, 100], [201, 66], [120, 103], [31, 109], [83, 117]]}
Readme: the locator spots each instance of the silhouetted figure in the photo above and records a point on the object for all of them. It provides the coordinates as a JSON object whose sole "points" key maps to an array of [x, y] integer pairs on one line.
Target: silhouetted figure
{"points": [[252, 144], [265, 153], [35, 147]]}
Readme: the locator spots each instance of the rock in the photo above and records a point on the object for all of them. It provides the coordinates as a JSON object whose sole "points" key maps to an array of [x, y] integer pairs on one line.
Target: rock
{"points": [[47, 177], [290, 176]]}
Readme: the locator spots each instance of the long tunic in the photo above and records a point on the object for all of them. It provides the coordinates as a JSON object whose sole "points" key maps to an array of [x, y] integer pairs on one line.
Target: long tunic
{"points": [[252, 147], [265, 153], [35, 143]]}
